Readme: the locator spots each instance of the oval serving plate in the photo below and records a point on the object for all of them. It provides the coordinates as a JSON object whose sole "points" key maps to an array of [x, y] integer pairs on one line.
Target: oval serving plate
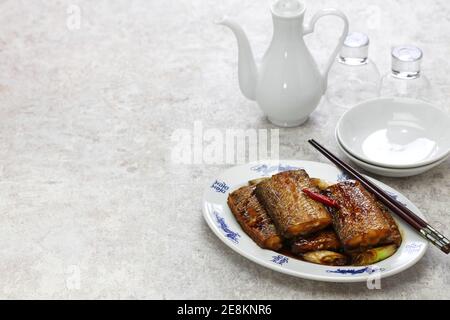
{"points": [[224, 225]]}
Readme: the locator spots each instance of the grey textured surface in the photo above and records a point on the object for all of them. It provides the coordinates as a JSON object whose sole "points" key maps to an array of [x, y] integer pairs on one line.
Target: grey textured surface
{"points": [[87, 188]]}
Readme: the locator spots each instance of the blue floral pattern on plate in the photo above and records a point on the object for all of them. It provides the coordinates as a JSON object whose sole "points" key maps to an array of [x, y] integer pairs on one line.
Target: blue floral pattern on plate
{"points": [[220, 186], [230, 234], [412, 248], [265, 169], [353, 271], [279, 259]]}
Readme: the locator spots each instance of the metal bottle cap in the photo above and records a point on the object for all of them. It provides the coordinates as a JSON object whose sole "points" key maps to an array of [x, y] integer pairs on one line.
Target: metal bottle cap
{"points": [[406, 61]]}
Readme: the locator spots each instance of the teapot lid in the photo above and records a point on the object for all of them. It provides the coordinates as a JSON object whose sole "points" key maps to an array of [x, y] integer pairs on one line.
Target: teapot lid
{"points": [[287, 8]]}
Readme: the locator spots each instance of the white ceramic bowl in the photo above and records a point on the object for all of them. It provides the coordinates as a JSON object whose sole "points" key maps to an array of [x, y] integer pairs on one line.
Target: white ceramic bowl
{"points": [[395, 133], [388, 172]]}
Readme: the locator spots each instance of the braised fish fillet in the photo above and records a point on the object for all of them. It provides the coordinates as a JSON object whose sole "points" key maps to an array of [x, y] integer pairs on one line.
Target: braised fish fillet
{"points": [[360, 222], [395, 237], [321, 240], [253, 218], [292, 211]]}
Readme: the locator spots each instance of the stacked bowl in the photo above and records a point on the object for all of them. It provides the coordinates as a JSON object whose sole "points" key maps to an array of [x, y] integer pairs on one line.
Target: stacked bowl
{"points": [[394, 137]]}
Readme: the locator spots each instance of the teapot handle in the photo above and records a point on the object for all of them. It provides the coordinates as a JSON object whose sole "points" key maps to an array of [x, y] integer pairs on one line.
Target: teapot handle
{"points": [[309, 28]]}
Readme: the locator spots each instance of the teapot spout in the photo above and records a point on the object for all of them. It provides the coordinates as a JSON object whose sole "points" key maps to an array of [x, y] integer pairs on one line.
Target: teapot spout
{"points": [[247, 70]]}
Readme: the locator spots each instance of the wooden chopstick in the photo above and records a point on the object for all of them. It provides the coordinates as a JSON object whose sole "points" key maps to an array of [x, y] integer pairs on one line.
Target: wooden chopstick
{"points": [[349, 169], [378, 192], [425, 230]]}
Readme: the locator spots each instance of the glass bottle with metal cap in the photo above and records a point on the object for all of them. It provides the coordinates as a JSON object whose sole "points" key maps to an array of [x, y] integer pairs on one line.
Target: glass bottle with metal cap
{"points": [[405, 78], [353, 77]]}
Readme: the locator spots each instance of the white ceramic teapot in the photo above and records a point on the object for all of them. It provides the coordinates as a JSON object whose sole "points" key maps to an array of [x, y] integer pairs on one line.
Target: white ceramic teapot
{"points": [[288, 84]]}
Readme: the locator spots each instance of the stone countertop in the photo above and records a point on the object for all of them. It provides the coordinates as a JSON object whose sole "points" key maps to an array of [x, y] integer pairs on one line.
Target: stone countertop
{"points": [[92, 203]]}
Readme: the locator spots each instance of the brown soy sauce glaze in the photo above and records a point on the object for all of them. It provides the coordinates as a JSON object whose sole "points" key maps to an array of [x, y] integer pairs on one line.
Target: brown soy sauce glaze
{"points": [[286, 251]]}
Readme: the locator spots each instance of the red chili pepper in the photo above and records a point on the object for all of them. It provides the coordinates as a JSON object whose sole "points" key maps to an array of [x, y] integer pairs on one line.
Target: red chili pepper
{"points": [[321, 198]]}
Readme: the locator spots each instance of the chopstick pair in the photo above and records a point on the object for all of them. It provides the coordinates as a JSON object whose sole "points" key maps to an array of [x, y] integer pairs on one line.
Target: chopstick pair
{"points": [[425, 230]]}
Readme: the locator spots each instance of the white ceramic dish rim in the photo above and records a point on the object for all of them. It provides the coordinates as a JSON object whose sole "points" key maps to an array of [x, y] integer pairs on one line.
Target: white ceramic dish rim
{"points": [[390, 172], [385, 165], [336, 278], [391, 169]]}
